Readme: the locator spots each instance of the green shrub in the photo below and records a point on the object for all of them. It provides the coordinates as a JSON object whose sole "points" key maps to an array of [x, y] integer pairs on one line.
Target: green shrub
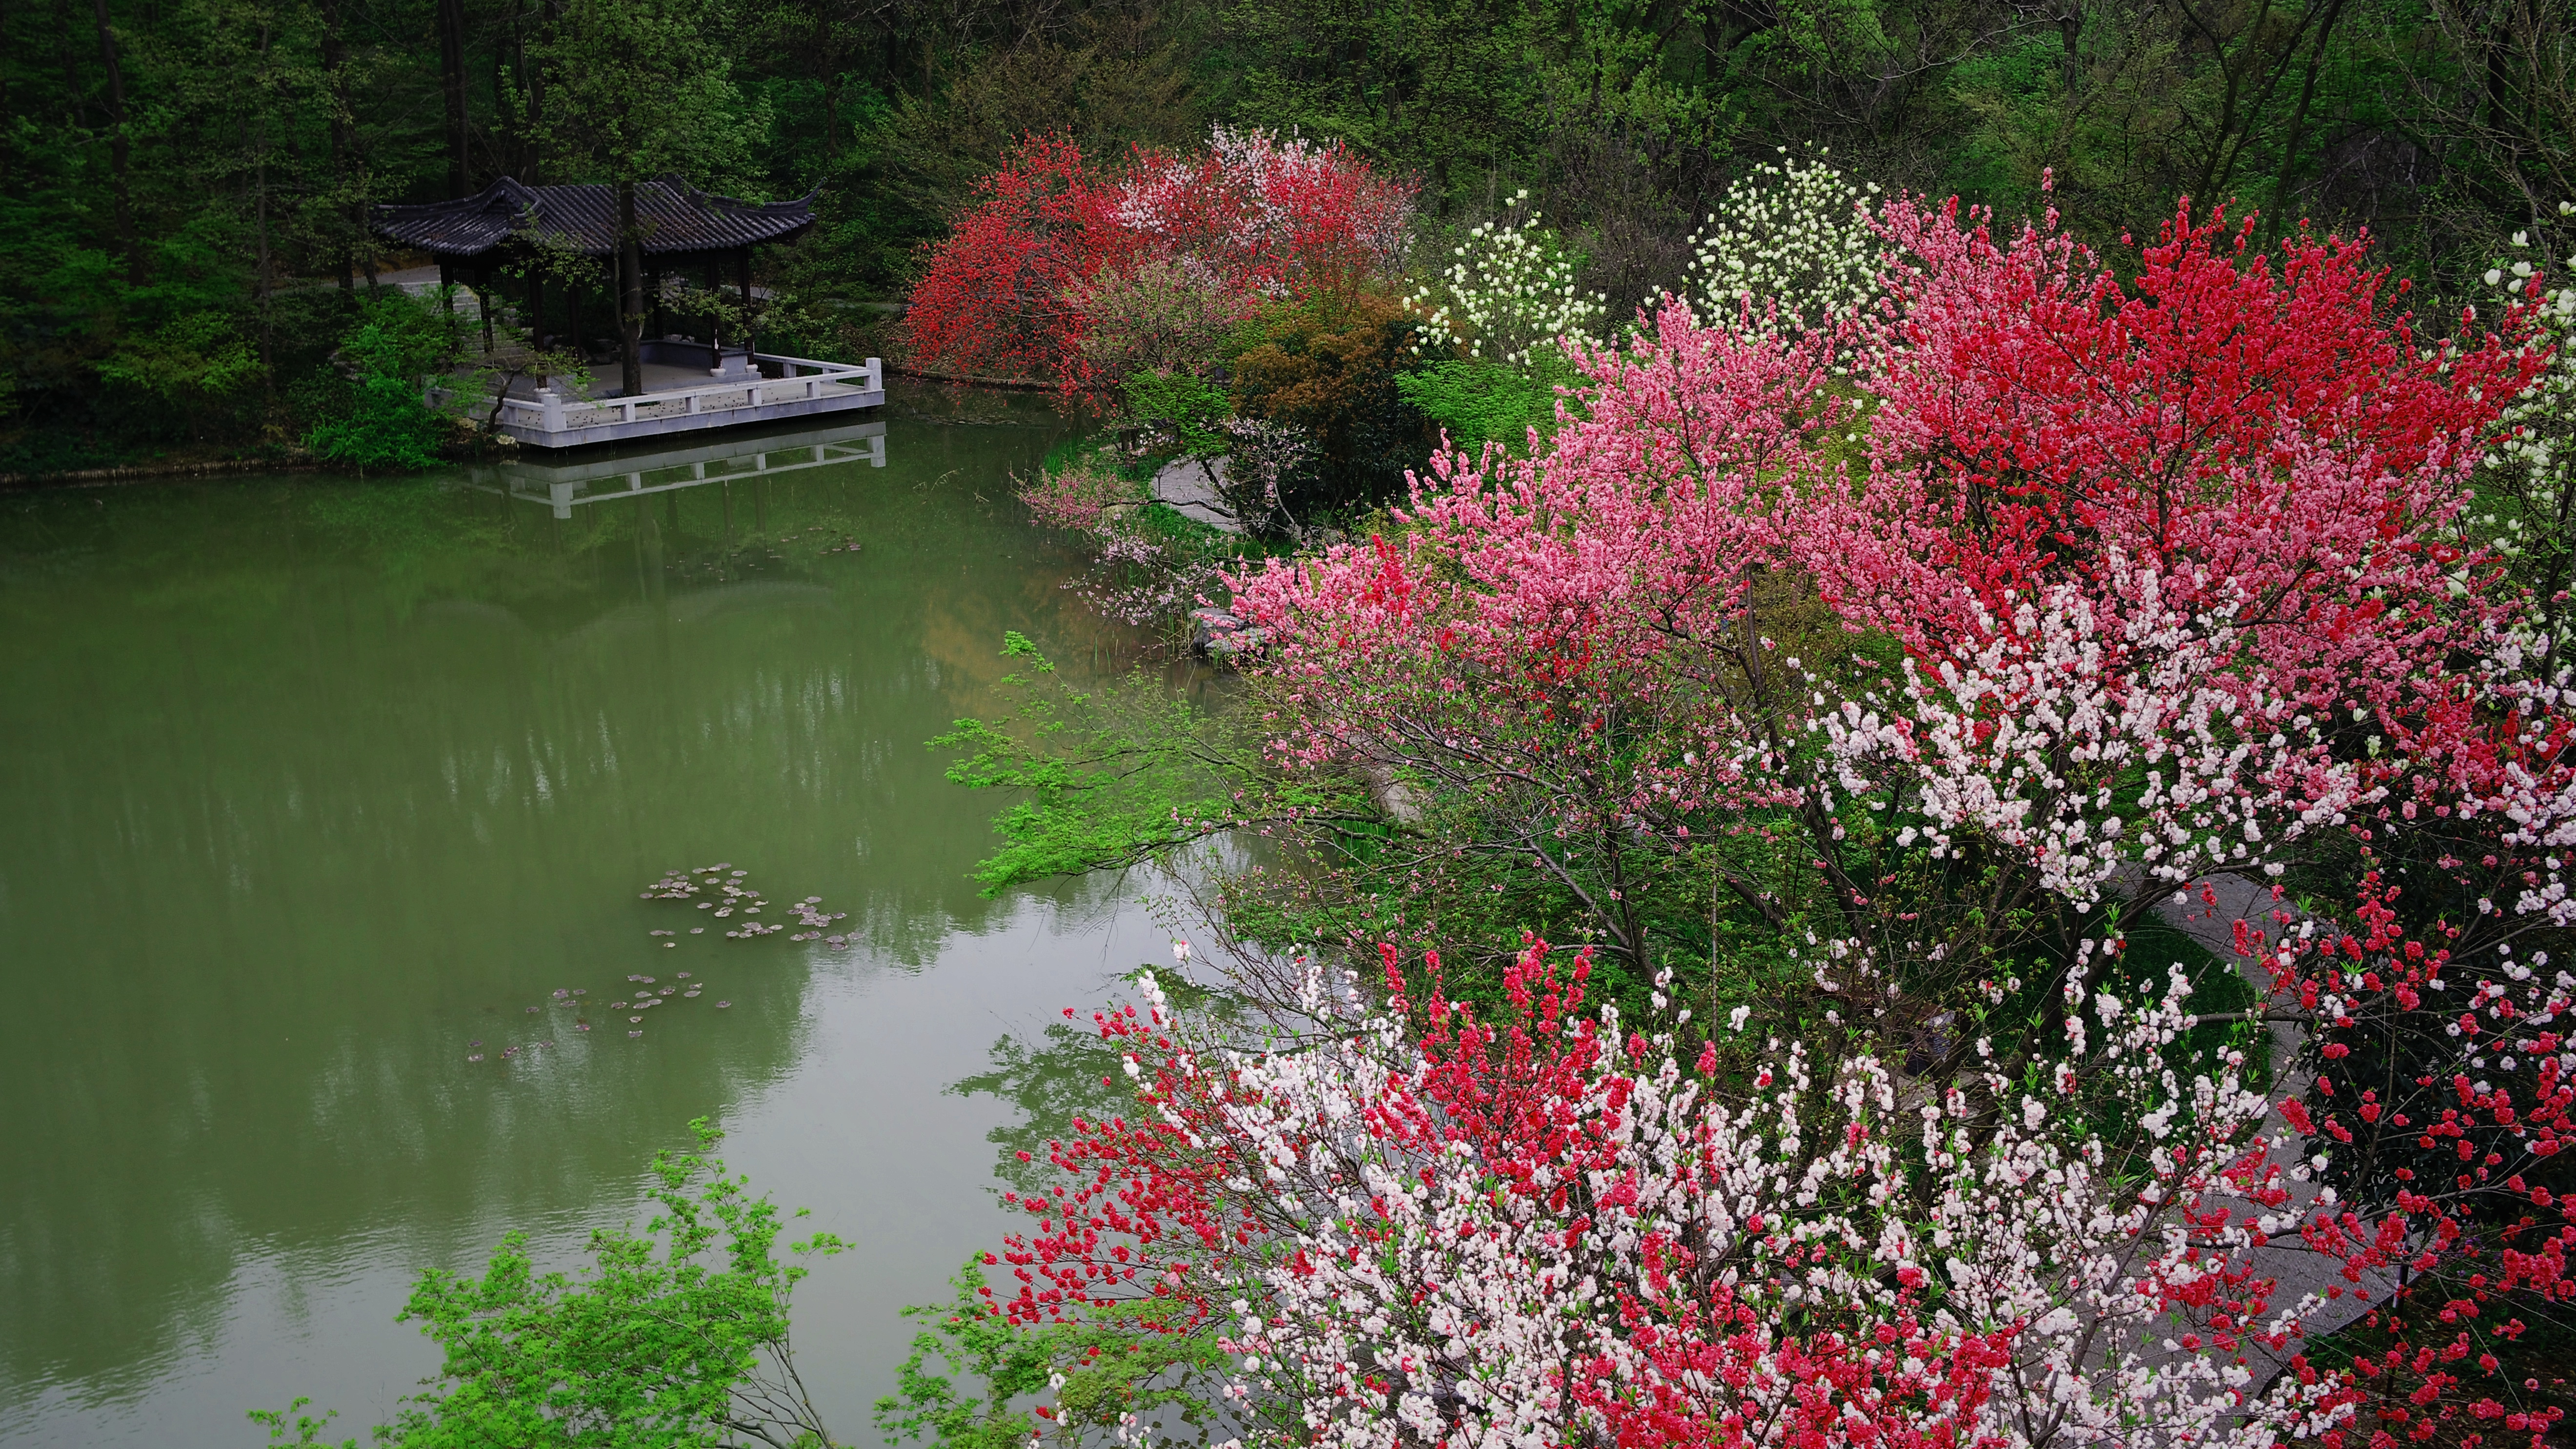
{"points": [[189, 364], [673, 1339], [1329, 367], [1190, 409], [1479, 403], [382, 420]]}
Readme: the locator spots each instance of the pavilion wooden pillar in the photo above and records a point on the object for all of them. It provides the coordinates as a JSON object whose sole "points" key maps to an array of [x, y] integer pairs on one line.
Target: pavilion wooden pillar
{"points": [[715, 329], [483, 301], [742, 269], [446, 282]]}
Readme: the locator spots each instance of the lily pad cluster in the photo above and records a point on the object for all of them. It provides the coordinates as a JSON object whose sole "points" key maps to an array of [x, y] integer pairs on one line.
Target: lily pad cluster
{"points": [[730, 894]]}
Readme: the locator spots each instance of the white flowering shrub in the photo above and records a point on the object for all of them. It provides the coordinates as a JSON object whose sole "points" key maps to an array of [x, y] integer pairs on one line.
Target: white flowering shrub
{"points": [[1510, 288], [1796, 233], [2530, 478]]}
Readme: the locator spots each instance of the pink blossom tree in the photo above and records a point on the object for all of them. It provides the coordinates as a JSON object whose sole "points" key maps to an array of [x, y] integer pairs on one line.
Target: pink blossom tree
{"points": [[2137, 590]]}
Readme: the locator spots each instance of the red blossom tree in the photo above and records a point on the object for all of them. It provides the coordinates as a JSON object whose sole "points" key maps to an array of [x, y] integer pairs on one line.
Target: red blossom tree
{"points": [[991, 300], [1250, 217]]}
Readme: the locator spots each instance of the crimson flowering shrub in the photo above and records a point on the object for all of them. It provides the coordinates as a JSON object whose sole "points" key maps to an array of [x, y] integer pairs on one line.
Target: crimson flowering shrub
{"points": [[2142, 595], [2276, 446], [1051, 238], [991, 301]]}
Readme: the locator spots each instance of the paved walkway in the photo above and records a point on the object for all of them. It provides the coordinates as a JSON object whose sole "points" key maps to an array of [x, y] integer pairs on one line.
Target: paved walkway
{"points": [[2298, 1270], [1195, 489]]}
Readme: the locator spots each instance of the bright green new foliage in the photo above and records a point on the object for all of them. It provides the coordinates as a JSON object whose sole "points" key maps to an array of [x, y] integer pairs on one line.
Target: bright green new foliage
{"points": [[1112, 777], [672, 1339], [384, 422], [1479, 403]]}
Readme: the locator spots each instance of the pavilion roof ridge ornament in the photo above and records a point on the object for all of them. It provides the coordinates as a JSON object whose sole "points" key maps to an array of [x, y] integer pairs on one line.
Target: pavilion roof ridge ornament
{"points": [[677, 219]]}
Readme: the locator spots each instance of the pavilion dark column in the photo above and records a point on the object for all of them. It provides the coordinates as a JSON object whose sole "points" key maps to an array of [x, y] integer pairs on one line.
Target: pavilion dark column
{"points": [[483, 299], [446, 281], [630, 290], [742, 265], [715, 329]]}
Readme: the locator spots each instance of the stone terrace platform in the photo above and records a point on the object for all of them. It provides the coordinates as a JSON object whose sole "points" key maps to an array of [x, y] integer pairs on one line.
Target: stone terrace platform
{"points": [[684, 393]]}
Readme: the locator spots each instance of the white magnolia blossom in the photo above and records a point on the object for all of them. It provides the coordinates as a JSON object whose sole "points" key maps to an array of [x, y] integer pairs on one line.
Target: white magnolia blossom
{"points": [[1795, 233], [2538, 450], [1509, 289]]}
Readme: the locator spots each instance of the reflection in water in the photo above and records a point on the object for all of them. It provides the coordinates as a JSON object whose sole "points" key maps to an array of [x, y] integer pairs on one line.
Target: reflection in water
{"points": [[313, 783], [598, 477]]}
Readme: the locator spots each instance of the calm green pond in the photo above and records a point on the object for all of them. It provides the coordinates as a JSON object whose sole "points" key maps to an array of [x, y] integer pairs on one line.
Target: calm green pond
{"points": [[314, 784]]}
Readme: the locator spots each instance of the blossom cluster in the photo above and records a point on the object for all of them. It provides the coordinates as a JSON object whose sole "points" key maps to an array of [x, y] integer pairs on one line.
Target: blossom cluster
{"points": [[1510, 288], [2147, 593], [2539, 418], [1256, 215], [1420, 1227], [1050, 236], [2534, 462], [1794, 235]]}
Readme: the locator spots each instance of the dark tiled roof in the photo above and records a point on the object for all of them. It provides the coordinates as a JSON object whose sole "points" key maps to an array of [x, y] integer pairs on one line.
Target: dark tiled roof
{"points": [[674, 216]]}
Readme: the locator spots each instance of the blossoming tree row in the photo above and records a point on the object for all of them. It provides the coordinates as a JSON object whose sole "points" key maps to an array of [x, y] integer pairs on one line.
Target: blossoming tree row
{"points": [[2084, 605], [1248, 219]]}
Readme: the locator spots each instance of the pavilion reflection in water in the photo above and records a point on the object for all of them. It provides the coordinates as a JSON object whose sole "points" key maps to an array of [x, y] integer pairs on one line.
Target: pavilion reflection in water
{"points": [[565, 486]]}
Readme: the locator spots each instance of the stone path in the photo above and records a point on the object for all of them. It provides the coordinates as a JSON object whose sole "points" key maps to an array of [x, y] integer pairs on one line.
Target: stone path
{"points": [[1195, 489], [2298, 1270]]}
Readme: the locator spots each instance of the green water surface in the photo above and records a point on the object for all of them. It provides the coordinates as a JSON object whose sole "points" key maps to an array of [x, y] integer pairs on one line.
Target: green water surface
{"points": [[311, 784]]}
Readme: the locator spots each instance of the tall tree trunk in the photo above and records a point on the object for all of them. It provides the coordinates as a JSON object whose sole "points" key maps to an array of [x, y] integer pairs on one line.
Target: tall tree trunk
{"points": [[6, 113], [66, 39], [335, 94], [535, 76], [2070, 32], [265, 285], [451, 69], [524, 153], [630, 289], [119, 149], [2299, 122]]}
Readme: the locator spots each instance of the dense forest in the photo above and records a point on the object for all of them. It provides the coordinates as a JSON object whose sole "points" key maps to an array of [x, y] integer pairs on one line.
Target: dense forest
{"points": [[184, 183]]}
